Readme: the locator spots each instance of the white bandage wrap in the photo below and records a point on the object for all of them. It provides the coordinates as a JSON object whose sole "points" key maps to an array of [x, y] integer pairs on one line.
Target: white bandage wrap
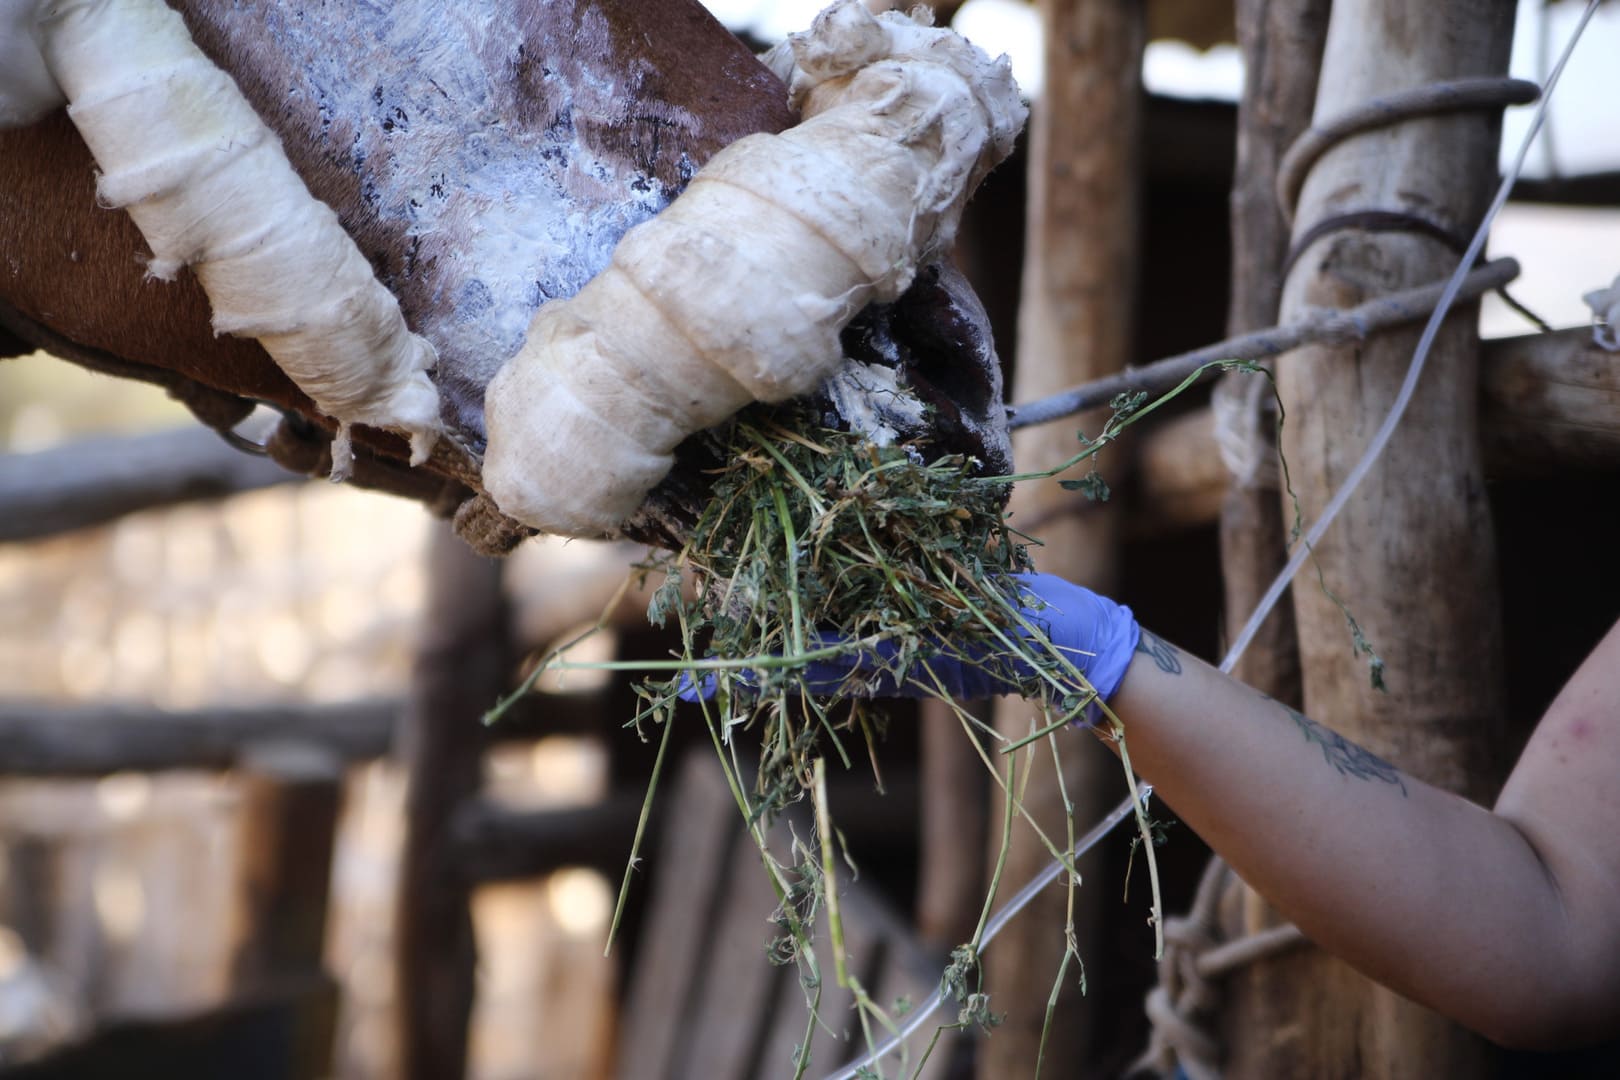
{"points": [[738, 290], [209, 187]]}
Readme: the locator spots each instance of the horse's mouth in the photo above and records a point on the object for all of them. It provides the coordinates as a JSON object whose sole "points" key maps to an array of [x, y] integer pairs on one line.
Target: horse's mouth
{"points": [[922, 370], [936, 340]]}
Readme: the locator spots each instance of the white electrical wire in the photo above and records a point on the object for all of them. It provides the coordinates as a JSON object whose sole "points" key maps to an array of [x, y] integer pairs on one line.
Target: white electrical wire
{"points": [[1375, 448], [919, 1015]]}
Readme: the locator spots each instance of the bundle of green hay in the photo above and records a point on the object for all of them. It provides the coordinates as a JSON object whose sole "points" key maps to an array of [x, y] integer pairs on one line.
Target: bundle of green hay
{"points": [[826, 568]]}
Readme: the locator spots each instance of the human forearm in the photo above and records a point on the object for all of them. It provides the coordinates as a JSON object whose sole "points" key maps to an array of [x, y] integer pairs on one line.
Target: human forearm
{"points": [[1420, 889], [1507, 921]]}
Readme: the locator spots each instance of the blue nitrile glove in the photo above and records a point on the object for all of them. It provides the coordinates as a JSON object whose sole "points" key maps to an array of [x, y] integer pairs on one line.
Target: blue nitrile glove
{"points": [[1097, 635]]}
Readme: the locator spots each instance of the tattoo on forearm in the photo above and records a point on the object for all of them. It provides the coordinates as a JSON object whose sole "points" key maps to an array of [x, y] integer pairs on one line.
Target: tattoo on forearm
{"points": [[1344, 755], [1163, 653]]}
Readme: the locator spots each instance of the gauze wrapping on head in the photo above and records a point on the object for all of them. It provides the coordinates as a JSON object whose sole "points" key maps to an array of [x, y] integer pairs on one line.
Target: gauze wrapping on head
{"points": [[209, 187], [739, 289]]}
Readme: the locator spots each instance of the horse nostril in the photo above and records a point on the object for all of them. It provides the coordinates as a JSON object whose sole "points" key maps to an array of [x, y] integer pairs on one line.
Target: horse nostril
{"points": [[943, 328], [948, 335]]}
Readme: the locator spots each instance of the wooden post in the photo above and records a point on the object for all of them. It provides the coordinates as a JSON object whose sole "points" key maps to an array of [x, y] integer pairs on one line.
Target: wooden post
{"points": [[1413, 554], [1074, 324], [290, 797], [1282, 43], [951, 830], [291, 794], [1282, 51], [461, 668]]}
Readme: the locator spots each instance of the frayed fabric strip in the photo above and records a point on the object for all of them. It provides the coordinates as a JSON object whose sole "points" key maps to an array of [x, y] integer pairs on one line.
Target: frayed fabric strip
{"points": [[209, 186]]}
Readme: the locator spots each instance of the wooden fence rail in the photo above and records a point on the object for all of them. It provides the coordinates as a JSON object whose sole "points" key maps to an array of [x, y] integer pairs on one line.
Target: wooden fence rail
{"points": [[38, 739], [98, 480], [1548, 402]]}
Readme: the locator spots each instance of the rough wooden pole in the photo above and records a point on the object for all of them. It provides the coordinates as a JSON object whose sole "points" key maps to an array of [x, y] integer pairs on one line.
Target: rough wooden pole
{"points": [[461, 668], [1282, 44], [1413, 554], [1282, 51], [291, 792], [98, 480], [951, 833], [38, 739], [290, 797], [1074, 324]]}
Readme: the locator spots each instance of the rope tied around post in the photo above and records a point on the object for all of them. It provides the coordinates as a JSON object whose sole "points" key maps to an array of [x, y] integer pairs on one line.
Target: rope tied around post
{"points": [[1195, 960], [1436, 99], [1488, 92]]}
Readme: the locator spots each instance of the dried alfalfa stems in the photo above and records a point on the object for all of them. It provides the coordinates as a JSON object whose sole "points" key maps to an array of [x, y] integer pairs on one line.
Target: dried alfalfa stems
{"points": [[209, 187], [739, 289]]}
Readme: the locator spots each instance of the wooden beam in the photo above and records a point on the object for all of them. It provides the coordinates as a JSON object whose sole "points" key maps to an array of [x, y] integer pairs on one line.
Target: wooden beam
{"points": [[498, 843], [1075, 319], [1548, 403], [1201, 23], [462, 665], [98, 480], [80, 740], [1181, 481], [1593, 189], [495, 842], [539, 715], [38, 739], [1412, 554], [1315, 326]]}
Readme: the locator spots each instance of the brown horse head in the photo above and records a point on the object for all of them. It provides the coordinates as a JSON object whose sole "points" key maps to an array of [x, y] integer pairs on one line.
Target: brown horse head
{"points": [[485, 157]]}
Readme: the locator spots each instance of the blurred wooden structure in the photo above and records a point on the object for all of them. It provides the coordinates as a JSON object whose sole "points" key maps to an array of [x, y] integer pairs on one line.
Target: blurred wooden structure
{"points": [[287, 762], [1077, 292], [1536, 411], [1537, 423], [704, 1003]]}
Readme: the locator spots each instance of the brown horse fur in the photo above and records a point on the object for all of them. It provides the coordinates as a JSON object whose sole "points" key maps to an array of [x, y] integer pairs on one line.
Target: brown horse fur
{"points": [[438, 135]]}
